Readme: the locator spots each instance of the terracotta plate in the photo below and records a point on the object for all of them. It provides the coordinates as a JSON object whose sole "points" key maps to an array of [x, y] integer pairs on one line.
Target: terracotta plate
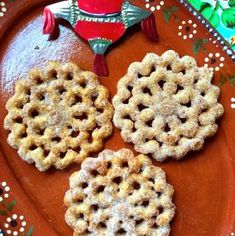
{"points": [[203, 181]]}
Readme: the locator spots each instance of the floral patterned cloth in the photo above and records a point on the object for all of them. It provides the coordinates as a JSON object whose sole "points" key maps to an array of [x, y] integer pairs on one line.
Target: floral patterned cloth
{"points": [[221, 15]]}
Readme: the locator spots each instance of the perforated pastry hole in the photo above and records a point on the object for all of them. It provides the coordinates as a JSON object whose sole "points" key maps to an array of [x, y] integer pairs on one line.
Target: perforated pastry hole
{"points": [[121, 231], [129, 88], [77, 149], [84, 185], [145, 203], [155, 226], [80, 216], [125, 164], [152, 70], [77, 99], [62, 155], [161, 83], [39, 131], [39, 80], [40, 96], [34, 113], [157, 100], [27, 91], [81, 117], [141, 107], [83, 84], [203, 94], [127, 117], [56, 139], [94, 207], [167, 128], [69, 76], [61, 90], [23, 135], [94, 96], [160, 210], [100, 189], [79, 200], [146, 90], [117, 180], [149, 123], [168, 67], [109, 165], [114, 201], [53, 74], [188, 104], [45, 152], [75, 134], [20, 105], [136, 185], [139, 221], [33, 147], [18, 120], [179, 88], [183, 120], [102, 225], [125, 101], [44, 103], [94, 173], [159, 194]]}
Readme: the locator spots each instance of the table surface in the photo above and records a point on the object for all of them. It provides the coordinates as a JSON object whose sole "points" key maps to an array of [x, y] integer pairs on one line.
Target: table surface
{"points": [[203, 181]]}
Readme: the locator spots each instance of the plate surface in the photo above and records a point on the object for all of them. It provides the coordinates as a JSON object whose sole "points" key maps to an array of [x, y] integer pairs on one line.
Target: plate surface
{"points": [[203, 181]]}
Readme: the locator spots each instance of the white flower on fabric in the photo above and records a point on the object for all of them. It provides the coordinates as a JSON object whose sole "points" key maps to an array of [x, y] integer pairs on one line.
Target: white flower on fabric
{"points": [[154, 5], [214, 61], [187, 29], [233, 103], [15, 225], [3, 9], [4, 191]]}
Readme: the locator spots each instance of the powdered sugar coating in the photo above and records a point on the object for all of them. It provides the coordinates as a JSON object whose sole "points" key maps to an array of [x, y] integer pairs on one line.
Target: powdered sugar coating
{"points": [[119, 194], [58, 116], [166, 105]]}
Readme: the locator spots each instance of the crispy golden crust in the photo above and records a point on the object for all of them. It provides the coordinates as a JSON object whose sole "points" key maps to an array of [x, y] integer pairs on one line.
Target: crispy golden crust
{"points": [[166, 105], [58, 116], [119, 194]]}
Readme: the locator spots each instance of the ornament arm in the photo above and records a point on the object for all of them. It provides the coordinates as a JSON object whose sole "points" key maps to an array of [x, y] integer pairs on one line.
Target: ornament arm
{"points": [[132, 15], [51, 12]]}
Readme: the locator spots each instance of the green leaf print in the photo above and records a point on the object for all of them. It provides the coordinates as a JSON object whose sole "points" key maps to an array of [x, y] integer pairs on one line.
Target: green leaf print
{"points": [[166, 15], [231, 3], [232, 81], [30, 232], [228, 17], [168, 12], [211, 15], [3, 213], [11, 205], [198, 5], [198, 45]]}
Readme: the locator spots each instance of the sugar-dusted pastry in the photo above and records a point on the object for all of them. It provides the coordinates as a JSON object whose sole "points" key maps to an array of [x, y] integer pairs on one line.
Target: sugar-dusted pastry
{"points": [[166, 105], [119, 194], [58, 116]]}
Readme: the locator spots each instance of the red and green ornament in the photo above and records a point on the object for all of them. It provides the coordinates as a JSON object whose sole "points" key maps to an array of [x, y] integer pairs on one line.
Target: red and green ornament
{"points": [[100, 22]]}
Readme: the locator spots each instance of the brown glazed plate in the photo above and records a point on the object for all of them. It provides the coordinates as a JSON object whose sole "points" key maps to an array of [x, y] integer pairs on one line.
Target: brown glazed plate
{"points": [[204, 181]]}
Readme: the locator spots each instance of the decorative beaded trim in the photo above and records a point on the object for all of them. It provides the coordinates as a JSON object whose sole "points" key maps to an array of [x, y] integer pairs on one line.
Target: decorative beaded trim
{"points": [[206, 23]]}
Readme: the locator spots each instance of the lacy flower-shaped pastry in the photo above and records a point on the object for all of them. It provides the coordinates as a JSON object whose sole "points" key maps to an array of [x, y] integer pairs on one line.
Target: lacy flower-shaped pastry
{"points": [[119, 194], [166, 105], [58, 116]]}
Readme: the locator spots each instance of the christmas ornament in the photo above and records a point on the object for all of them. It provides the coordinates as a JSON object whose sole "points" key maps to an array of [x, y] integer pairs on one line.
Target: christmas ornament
{"points": [[100, 22]]}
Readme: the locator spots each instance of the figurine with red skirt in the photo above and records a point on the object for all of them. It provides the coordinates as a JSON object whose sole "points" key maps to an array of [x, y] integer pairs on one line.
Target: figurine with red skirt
{"points": [[100, 22]]}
